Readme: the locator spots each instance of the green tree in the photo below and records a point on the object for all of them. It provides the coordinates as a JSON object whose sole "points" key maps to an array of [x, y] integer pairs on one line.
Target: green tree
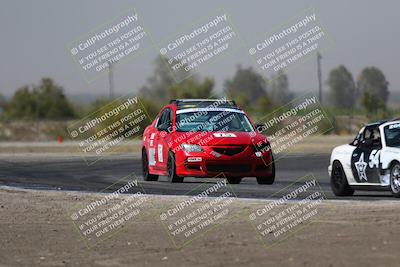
{"points": [[160, 81], [161, 86], [264, 104], [98, 104], [373, 87], [22, 105], [151, 108], [191, 88], [280, 93], [45, 101], [246, 87], [3, 103], [342, 87], [51, 101], [371, 103]]}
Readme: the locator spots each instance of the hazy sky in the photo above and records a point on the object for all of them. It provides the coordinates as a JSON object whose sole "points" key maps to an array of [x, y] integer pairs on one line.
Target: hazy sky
{"points": [[35, 34]]}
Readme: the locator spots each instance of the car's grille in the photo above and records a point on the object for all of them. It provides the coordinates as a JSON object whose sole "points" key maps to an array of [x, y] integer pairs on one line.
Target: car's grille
{"points": [[215, 167], [229, 151]]}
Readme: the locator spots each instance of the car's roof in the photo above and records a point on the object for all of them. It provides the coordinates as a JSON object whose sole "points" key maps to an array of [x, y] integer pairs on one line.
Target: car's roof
{"points": [[203, 103], [376, 123], [382, 123], [188, 110], [390, 122]]}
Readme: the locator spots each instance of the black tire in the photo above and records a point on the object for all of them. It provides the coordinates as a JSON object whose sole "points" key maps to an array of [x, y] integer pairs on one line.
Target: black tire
{"points": [[171, 169], [395, 179], [339, 184], [234, 180], [267, 179], [145, 168]]}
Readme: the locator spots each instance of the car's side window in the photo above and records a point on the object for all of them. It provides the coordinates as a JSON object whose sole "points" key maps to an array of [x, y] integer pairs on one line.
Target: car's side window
{"points": [[161, 120], [169, 117], [376, 138], [367, 135], [371, 137], [359, 138], [165, 120]]}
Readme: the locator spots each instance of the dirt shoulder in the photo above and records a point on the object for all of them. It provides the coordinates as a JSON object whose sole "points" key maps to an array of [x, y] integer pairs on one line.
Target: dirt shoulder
{"points": [[36, 229]]}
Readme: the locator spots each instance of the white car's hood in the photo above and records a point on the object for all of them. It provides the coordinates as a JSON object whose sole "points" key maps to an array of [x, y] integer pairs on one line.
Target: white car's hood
{"points": [[343, 149]]}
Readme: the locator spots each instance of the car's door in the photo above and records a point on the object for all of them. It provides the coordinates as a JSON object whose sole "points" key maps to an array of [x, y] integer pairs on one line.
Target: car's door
{"points": [[365, 160], [163, 126]]}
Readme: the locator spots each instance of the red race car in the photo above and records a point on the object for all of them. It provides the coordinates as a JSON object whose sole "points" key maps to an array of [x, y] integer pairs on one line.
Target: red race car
{"points": [[205, 138]]}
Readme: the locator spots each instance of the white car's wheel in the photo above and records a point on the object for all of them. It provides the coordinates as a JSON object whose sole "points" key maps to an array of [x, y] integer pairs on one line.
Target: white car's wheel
{"points": [[395, 179], [339, 184]]}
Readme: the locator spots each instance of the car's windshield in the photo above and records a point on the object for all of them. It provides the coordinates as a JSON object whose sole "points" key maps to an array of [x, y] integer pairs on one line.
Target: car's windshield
{"points": [[392, 135], [212, 121]]}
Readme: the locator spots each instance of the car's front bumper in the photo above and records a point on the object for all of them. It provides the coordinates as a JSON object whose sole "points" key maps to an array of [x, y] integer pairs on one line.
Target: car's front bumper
{"points": [[209, 164]]}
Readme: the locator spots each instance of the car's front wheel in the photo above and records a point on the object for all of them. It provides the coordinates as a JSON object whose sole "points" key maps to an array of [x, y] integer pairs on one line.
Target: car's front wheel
{"points": [[145, 168], [171, 169], [395, 179], [339, 184], [267, 179]]}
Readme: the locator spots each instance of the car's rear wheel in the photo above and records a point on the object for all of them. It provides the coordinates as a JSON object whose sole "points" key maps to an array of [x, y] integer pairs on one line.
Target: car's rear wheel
{"points": [[145, 168], [339, 184], [171, 169], [267, 179], [234, 180], [395, 179]]}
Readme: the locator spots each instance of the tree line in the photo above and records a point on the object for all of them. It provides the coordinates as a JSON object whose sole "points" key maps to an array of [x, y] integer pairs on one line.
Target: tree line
{"points": [[248, 88], [44, 101], [370, 91]]}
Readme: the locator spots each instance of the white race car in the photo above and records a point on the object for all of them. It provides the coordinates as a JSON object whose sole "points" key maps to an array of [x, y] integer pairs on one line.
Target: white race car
{"points": [[370, 162]]}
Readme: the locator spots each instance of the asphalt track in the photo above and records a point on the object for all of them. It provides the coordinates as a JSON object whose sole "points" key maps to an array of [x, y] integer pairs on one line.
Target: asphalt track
{"points": [[60, 172]]}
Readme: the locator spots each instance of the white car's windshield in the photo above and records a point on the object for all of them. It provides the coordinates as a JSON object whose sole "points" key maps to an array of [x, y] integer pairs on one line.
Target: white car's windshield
{"points": [[212, 121]]}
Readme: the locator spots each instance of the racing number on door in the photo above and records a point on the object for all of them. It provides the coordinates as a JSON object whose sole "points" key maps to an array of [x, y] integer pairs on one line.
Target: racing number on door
{"points": [[365, 165], [374, 159]]}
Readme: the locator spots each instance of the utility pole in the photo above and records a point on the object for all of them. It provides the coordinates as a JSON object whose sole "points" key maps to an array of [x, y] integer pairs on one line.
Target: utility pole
{"points": [[319, 57], [111, 79]]}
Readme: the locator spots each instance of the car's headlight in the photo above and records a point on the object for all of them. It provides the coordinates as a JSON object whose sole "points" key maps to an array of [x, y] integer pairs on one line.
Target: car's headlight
{"points": [[262, 147], [191, 148]]}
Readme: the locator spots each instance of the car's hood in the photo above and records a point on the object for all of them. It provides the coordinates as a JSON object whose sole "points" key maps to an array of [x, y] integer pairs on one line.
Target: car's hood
{"points": [[221, 138], [343, 149]]}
